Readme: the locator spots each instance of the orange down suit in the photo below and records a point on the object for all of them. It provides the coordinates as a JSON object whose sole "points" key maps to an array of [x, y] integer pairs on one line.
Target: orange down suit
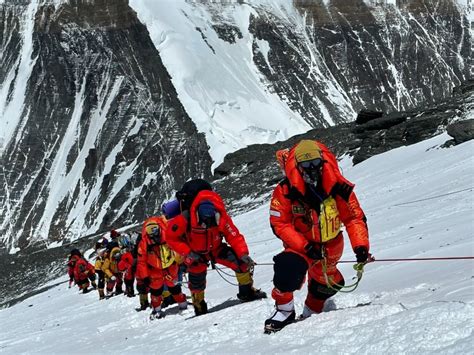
{"points": [[156, 261], [297, 222]]}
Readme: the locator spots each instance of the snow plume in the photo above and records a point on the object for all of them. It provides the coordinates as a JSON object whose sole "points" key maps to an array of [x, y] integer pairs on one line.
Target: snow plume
{"points": [[413, 210]]}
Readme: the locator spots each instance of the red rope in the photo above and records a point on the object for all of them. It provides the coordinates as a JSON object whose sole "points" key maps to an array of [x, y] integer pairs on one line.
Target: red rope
{"points": [[416, 259], [405, 259]]}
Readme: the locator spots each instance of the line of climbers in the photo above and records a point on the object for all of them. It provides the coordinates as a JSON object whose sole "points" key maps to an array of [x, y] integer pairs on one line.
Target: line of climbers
{"points": [[307, 210]]}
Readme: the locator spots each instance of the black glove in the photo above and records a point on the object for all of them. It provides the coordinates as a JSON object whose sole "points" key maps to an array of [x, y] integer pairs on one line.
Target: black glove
{"points": [[247, 260], [362, 254], [192, 258], [313, 251], [146, 281]]}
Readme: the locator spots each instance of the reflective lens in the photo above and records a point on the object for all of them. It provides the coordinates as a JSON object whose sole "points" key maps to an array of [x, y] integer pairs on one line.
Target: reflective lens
{"points": [[155, 232], [315, 163]]}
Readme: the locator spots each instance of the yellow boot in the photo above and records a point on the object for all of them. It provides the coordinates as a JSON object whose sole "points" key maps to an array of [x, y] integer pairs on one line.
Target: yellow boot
{"points": [[167, 299], [246, 290], [200, 306], [144, 304]]}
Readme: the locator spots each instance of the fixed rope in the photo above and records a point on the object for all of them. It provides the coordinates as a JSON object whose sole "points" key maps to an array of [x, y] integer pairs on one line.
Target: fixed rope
{"points": [[400, 259], [434, 197], [220, 272], [359, 268]]}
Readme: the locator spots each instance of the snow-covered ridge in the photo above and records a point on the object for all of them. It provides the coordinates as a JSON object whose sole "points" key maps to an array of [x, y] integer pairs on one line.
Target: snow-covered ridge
{"points": [[262, 71], [217, 81]]}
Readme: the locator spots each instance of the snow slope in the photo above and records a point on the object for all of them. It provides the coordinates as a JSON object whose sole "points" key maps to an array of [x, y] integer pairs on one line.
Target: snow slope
{"points": [[419, 203]]}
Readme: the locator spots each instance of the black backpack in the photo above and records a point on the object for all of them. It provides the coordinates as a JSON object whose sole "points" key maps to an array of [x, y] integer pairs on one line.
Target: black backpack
{"points": [[189, 191]]}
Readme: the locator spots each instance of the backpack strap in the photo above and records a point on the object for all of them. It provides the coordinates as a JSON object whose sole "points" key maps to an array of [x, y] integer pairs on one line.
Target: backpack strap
{"points": [[289, 191], [187, 217], [312, 198], [342, 189]]}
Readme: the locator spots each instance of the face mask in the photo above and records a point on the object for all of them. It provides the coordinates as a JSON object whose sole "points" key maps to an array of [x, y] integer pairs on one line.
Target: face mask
{"points": [[208, 222], [311, 170], [311, 177]]}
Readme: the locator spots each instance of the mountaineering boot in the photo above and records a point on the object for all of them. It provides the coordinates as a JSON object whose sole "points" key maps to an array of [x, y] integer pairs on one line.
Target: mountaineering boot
{"points": [[85, 288], [157, 313], [284, 314], [200, 306], [101, 294], [168, 299], [311, 306], [109, 293], [246, 290], [118, 291], [248, 293], [144, 304], [129, 292], [307, 312], [180, 299]]}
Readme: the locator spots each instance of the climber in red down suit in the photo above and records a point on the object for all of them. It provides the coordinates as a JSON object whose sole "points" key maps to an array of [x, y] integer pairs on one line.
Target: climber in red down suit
{"points": [[198, 234], [81, 271]]}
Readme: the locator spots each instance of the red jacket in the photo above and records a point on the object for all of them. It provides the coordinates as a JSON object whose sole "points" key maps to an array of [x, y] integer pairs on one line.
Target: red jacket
{"points": [[83, 269], [185, 235], [71, 264], [297, 223], [125, 265]]}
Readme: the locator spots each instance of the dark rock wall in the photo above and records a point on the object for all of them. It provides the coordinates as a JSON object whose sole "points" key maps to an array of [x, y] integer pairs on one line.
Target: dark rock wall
{"points": [[350, 56], [104, 138]]}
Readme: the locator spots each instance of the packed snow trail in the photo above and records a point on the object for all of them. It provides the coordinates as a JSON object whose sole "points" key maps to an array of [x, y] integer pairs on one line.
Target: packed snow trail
{"points": [[399, 307]]}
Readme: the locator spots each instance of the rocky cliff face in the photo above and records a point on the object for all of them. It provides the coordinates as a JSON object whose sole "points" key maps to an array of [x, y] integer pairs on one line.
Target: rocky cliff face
{"points": [[253, 173], [329, 59], [96, 128], [95, 135]]}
